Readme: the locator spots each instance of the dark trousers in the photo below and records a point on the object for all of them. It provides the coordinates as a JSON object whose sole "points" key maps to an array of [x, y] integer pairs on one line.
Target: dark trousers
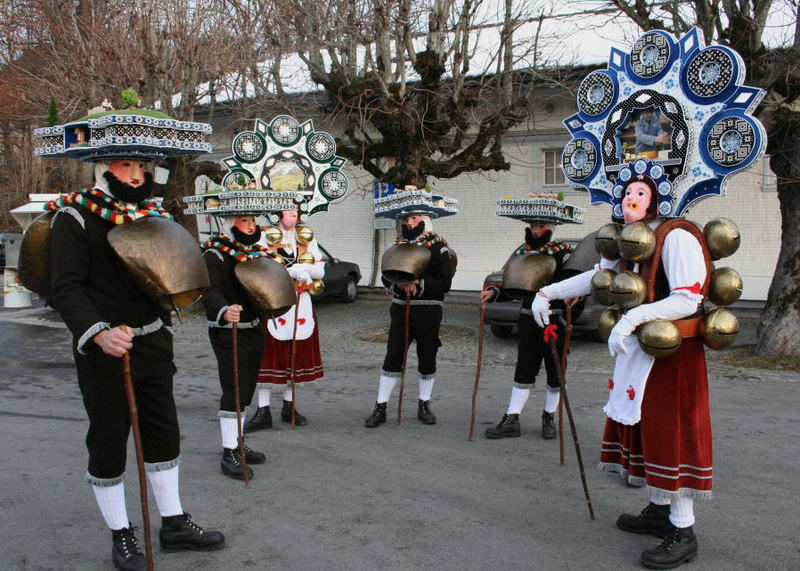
{"points": [[424, 329], [101, 382], [250, 346], [532, 349]]}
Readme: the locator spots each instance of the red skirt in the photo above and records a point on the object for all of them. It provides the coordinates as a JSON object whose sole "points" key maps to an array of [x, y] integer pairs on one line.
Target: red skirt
{"points": [[670, 448], [277, 359]]}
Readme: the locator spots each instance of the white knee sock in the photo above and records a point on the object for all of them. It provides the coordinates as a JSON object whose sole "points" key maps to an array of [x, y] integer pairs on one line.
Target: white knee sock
{"points": [[263, 396], [287, 393], [658, 499], [551, 397], [230, 434], [681, 512], [426, 388], [385, 387], [111, 501], [518, 399], [165, 490]]}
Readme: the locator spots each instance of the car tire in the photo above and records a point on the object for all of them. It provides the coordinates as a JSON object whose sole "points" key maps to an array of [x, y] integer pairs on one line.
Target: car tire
{"points": [[501, 330], [349, 290]]}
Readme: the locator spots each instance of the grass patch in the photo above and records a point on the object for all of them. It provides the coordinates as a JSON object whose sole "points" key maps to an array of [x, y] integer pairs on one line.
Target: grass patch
{"points": [[747, 357]]}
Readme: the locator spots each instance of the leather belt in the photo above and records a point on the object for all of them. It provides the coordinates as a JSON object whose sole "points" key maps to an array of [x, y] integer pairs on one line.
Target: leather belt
{"points": [[689, 327]]}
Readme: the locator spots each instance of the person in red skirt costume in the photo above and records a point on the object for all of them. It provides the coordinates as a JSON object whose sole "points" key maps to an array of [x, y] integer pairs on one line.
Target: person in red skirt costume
{"points": [[659, 437], [276, 363]]}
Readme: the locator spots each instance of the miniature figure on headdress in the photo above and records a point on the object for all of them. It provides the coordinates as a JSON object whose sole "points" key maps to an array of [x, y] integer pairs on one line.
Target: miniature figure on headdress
{"points": [[116, 261], [538, 262], [656, 268], [418, 270], [281, 170]]}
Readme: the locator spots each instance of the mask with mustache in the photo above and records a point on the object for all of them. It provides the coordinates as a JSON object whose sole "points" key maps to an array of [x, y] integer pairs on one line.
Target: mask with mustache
{"points": [[246, 239], [127, 193], [412, 233]]}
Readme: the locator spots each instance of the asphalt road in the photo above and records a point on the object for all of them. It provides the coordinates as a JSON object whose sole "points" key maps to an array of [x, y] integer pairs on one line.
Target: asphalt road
{"points": [[335, 495]]}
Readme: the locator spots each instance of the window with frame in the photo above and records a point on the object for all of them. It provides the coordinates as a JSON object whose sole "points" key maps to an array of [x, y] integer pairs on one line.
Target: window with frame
{"points": [[553, 174]]}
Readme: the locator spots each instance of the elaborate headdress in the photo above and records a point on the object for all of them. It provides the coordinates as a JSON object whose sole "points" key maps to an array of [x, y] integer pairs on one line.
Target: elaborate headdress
{"points": [[281, 165], [706, 129], [397, 204], [544, 207]]}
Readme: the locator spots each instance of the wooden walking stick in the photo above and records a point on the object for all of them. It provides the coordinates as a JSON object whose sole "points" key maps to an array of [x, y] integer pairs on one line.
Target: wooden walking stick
{"points": [[565, 398], [564, 353], [291, 359], [237, 402], [406, 343], [133, 412], [477, 372]]}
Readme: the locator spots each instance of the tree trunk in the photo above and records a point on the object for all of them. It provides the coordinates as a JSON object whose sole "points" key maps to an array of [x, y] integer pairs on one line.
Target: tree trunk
{"points": [[779, 327]]}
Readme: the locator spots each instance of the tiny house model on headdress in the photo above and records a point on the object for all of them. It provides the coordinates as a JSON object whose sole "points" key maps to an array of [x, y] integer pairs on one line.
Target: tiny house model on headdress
{"points": [[674, 113]]}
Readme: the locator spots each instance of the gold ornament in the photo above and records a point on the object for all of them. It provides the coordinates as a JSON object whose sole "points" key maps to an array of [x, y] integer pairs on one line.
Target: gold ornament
{"points": [[306, 258], [601, 282], [606, 241], [637, 242], [279, 259], [316, 287], [659, 338], [725, 287], [628, 290], [607, 320], [719, 328], [305, 234], [722, 237], [273, 235]]}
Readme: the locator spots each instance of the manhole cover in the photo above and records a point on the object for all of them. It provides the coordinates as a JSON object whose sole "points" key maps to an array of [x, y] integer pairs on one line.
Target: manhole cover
{"points": [[380, 333]]}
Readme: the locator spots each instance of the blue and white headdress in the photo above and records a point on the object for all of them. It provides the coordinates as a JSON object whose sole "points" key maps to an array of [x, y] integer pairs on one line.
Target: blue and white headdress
{"points": [[702, 133]]}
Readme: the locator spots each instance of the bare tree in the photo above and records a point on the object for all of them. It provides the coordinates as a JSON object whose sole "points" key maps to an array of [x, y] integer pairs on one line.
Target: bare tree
{"points": [[742, 25], [412, 81]]}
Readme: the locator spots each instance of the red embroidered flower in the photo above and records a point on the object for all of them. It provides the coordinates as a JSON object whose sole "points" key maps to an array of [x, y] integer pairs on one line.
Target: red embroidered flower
{"points": [[696, 288], [631, 392], [610, 384], [282, 321], [301, 321]]}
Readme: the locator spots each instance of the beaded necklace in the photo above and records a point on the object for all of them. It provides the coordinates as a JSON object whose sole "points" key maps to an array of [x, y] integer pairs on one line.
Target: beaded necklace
{"points": [[98, 202], [428, 239], [552, 248], [236, 250]]}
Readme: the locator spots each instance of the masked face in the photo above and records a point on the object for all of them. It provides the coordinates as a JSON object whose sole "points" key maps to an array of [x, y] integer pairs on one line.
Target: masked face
{"points": [[289, 219], [635, 202], [245, 230], [412, 226], [539, 229], [129, 171]]}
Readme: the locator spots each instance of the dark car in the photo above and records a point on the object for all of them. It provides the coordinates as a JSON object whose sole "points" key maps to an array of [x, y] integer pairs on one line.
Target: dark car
{"points": [[503, 312], [341, 278]]}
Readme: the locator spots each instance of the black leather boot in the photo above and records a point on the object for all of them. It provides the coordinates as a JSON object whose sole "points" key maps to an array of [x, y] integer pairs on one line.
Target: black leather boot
{"points": [[179, 532], [548, 425], [679, 546], [424, 412], [377, 417], [125, 551], [654, 520], [508, 427], [286, 414], [252, 456], [232, 466], [261, 420]]}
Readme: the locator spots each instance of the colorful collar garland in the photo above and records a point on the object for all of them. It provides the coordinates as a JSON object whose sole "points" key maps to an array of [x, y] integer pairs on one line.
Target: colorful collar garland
{"points": [[236, 250], [428, 239], [98, 202], [552, 248]]}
